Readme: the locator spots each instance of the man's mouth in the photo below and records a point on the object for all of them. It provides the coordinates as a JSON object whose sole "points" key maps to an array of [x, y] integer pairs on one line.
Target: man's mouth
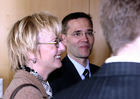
{"points": [[84, 46]]}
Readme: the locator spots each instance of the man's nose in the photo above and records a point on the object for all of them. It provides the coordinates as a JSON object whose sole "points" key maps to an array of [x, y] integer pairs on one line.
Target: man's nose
{"points": [[84, 36]]}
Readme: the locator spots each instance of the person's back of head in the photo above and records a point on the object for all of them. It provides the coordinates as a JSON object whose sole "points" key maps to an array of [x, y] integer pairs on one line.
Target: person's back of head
{"points": [[120, 20]]}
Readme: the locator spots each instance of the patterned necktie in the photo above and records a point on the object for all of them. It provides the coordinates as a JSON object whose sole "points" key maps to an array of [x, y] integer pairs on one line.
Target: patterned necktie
{"points": [[86, 73]]}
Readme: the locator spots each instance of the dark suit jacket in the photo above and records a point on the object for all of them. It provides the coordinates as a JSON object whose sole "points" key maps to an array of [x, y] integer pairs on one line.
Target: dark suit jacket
{"points": [[113, 81], [66, 76]]}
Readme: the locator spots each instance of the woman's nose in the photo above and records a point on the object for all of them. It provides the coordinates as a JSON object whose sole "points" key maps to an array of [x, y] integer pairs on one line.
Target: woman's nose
{"points": [[61, 47]]}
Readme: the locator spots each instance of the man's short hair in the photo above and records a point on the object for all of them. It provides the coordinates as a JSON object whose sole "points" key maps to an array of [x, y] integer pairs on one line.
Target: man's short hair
{"points": [[120, 20], [72, 16]]}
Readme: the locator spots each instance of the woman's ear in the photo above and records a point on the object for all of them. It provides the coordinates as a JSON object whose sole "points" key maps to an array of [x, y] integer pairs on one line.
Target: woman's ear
{"points": [[32, 57]]}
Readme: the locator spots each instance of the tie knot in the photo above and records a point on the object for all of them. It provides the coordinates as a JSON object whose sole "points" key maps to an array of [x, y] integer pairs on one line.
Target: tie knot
{"points": [[86, 73]]}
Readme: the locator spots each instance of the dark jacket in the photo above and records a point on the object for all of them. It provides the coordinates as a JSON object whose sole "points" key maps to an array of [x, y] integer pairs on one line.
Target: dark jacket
{"points": [[66, 76], [118, 80]]}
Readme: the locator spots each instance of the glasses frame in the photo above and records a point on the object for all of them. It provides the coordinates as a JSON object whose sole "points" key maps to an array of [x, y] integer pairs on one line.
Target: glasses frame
{"points": [[56, 42], [80, 33]]}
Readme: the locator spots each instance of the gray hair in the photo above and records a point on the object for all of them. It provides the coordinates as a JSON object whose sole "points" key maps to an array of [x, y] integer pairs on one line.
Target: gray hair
{"points": [[120, 20]]}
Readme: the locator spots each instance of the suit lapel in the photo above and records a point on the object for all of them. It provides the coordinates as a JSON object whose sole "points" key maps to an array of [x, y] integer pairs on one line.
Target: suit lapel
{"points": [[70, 70], [93, 68]]}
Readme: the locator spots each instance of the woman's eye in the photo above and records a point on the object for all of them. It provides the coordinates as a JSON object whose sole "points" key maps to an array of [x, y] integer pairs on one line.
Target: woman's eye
{"points": [[58, 40]]}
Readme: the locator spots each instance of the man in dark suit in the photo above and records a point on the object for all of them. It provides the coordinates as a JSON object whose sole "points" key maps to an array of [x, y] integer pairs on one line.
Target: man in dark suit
{"points": [[119, 77], [78, 37]]}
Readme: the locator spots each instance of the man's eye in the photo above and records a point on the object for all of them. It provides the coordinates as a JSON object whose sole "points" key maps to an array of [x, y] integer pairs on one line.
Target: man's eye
{"points": [[89, 33], [76, 34]]}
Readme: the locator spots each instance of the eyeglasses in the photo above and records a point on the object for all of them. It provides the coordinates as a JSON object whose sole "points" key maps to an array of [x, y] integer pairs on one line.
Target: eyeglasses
{"points": [[89, 33], [56, 42]]}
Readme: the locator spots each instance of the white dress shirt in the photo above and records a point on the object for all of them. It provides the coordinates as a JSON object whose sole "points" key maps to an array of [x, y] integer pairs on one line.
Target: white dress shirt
{"points": [[80, 68], [123, 58]]}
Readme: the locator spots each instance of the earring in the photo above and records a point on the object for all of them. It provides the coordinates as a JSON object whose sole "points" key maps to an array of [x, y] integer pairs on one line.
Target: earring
{"points": [[34, 60]]}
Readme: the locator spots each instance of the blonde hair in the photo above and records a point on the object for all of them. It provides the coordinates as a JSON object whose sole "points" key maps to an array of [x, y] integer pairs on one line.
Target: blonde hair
{"points": [[23, 36]]}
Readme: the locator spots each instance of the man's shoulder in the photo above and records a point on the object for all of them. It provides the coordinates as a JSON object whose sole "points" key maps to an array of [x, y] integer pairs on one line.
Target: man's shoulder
{"points": [[65, 60], [94, 68], [62, 71]]}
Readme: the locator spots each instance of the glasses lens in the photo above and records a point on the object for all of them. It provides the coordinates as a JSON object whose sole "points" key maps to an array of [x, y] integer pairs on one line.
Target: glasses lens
{"points": [[58, 40]]}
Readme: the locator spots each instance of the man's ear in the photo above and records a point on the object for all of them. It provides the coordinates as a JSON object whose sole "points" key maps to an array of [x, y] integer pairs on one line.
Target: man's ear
{"points": [[63, 39]]}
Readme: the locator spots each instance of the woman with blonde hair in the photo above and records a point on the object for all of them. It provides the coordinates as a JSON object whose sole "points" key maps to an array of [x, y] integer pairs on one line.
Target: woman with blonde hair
{"points": [[34, 51]]}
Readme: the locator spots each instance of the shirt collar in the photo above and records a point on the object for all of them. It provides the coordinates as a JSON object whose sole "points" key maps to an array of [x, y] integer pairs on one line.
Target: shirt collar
{"points": [[123, 58], [80, 68]]}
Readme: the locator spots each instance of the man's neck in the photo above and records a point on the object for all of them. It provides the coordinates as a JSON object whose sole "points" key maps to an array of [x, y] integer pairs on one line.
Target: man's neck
{"points": [[82, 61], [132, 49]]}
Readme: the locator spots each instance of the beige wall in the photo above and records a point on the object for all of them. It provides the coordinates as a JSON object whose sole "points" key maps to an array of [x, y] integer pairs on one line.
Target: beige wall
{"points": [[59, 7], [12, 10], [100, 49]]}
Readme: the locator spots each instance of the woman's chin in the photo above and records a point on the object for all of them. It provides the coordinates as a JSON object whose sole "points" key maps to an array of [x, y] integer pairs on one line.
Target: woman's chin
{"points": [[58, 65]]}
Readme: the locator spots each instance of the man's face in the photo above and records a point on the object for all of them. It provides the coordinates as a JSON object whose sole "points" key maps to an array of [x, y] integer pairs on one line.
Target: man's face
{"points": [[79, 38]]}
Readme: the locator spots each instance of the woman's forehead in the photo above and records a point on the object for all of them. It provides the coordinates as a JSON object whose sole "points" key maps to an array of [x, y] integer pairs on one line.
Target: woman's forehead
{"points": [[45, 35]]}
